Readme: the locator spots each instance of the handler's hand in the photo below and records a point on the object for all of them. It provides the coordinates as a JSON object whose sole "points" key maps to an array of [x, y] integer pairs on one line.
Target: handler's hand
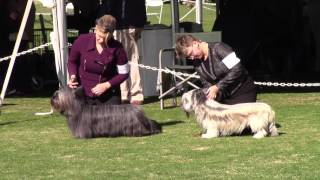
{"points": [[100, 88], [212, 92], [73, 83]]}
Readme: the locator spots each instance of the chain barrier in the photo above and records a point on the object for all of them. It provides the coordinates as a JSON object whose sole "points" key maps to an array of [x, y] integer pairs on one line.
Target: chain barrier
{"points": [[27, 51], [275, 84], [167, 71], [282, 84]]}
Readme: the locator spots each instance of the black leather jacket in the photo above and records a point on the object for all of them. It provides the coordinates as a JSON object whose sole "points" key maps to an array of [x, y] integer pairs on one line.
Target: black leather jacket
{"points": [[214, 71]]}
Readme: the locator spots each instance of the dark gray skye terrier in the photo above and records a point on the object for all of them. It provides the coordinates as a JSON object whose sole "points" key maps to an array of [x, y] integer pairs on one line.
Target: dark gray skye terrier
{"points": [[90, 121]]}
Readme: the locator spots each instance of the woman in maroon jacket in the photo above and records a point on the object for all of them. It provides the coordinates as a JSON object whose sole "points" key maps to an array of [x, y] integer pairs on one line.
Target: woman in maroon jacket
{"points": [[99, 63]]}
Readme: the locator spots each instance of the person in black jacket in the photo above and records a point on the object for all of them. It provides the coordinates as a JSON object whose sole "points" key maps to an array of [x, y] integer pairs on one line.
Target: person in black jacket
{"points": [[131, 18], [220, 70]]}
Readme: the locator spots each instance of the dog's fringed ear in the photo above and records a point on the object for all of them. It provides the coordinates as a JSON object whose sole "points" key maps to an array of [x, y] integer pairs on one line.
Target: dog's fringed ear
{"points": [[204, 90], [79, 92], [199, 96]]}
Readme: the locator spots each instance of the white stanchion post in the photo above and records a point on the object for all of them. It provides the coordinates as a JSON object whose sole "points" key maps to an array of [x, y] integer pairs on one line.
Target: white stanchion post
{"points": [[15, 50], [59, 40], [62, 32], [54, 36], [199, 13]]}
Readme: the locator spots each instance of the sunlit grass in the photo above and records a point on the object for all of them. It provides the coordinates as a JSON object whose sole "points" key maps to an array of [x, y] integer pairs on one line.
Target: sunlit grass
{"points": [[41, 147]]}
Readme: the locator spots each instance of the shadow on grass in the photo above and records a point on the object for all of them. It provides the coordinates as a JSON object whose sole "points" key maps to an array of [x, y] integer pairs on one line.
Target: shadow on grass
{"points": [[170, 123], [278, 125], [153, 99], [171, 107], [248, 131], [6, 104], [8, 122]]}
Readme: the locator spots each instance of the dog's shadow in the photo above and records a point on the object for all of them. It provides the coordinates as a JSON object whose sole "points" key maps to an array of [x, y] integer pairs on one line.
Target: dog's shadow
{"points": [[279, 126], [170, 123], [245, 132], [248, 132]]}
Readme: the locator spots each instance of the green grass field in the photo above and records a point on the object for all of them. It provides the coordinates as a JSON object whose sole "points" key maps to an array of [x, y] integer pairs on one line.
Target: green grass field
{"points": [[41, 147]]}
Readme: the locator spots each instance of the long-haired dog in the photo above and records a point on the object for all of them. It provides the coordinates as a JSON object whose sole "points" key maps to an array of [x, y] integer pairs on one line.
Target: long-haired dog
{"points": [[89, 121], [221, 120]]}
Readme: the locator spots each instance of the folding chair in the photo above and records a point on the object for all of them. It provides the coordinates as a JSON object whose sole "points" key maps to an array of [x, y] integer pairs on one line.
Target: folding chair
{"points": [[154, 4], [180, 65]]}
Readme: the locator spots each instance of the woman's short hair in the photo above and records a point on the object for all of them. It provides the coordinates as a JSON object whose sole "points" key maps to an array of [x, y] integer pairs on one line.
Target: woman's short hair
{"points": [[106, 23], [182, 43]]}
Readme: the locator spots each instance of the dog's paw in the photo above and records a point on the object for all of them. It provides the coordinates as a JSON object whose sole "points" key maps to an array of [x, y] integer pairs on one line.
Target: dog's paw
{"points": [[260, 134], [207, 136]]}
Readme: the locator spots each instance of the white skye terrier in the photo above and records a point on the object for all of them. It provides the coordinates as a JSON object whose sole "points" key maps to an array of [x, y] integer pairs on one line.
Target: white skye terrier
{"points": [[222, 120]]}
